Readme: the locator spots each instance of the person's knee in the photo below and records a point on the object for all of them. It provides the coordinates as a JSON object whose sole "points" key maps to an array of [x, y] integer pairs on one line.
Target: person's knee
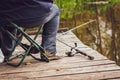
{"points": [[55, 7]]}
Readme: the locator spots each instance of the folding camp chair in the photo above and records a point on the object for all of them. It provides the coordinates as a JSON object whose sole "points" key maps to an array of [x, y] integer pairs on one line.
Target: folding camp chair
{"points": [[33, 43]]}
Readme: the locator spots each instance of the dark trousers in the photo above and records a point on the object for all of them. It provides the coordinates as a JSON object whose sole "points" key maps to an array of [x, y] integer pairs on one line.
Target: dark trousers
{"points": [[7, 44]]}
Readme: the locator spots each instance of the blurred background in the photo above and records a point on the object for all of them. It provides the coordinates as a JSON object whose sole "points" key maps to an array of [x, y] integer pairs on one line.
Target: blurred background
{"points": [[102, 35]]}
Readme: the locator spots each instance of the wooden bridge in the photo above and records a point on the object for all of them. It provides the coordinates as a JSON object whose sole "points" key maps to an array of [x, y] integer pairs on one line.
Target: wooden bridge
{"points": [[77, 67]]}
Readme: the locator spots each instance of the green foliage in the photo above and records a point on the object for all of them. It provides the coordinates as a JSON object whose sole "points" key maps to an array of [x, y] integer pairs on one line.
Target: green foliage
{"points": [[114, 1], [68, 7]]}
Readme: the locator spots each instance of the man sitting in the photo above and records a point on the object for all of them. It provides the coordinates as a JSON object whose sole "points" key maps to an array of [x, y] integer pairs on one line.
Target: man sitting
{"points": [[29, 13]]}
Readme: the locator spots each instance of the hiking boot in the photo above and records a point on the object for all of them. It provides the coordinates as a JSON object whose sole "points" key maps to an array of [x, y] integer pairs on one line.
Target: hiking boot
{"points": [[51, 56], [55, 57]]}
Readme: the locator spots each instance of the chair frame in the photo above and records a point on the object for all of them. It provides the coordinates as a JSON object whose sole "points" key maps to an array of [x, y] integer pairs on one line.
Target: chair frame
{"points": [[27, 51]]}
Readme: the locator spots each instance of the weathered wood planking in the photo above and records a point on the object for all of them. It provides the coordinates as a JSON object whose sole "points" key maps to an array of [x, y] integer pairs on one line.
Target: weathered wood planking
{"points": [[67, 72], [67, 68], [53, 66]]}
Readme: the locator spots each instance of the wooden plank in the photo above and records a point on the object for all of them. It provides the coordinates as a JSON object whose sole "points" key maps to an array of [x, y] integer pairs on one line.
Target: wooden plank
{"points": [[87, 76], [107, 75], [115, 79], [69, 60], [61, 72], [53, 65]]}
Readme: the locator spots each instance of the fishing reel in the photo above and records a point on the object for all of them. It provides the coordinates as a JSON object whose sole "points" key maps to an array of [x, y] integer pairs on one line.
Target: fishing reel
{"points": [[71, 53], [74, 51]]}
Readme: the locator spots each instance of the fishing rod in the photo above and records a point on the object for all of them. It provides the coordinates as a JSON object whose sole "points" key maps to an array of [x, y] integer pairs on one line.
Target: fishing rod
{"points": [[76, 27], [70, 54], [72, 30]]}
